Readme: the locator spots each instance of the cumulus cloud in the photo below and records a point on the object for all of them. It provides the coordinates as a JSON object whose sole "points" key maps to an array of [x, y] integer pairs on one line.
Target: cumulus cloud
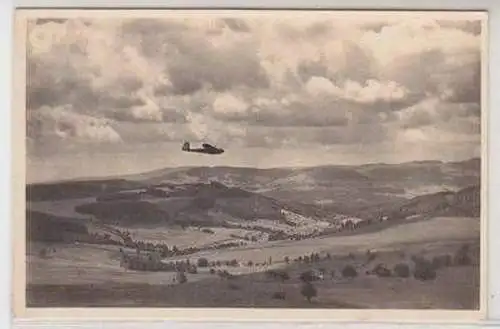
{"points": [[436, 112], [371, 92], [89, 67], [229, 104], [64, 124], [194, 60], [255, 80]]}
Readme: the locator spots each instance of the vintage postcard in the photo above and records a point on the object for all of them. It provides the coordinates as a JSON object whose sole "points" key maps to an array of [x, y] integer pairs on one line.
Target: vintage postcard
{"points": [[253, 164]]}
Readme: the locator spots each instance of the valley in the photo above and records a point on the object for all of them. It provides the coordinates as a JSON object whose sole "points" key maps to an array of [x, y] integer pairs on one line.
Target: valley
{"points": [[83, 236]]}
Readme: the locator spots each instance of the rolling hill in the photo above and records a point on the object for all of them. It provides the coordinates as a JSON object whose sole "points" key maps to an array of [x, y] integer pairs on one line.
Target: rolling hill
{"points": [[50, 228], [190, 204], [334, 185], [463, 203], [78, 189], [268, 200], [320, 184]]}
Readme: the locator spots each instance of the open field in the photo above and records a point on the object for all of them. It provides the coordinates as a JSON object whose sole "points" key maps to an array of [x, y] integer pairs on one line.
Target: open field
{"points": [[84, 275], [184, 238], [429, 231], [454, 288]]}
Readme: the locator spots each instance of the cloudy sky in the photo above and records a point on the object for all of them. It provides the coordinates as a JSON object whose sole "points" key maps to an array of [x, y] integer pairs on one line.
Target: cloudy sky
{"points": [[110, 95]]}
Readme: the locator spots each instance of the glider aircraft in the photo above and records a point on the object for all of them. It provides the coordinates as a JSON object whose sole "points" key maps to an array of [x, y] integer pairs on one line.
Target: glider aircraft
{"points": [[206, 149]]}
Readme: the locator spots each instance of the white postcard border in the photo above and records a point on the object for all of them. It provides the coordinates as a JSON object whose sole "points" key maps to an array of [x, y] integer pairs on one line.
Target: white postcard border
{"points": [[250, 315]]}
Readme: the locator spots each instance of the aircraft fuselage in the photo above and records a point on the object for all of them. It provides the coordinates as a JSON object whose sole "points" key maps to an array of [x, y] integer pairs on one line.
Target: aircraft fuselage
{"points": [[206, 151]]}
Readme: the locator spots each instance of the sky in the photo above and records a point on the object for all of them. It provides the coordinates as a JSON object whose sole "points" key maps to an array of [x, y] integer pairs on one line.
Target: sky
{"points": [[114, 95]]}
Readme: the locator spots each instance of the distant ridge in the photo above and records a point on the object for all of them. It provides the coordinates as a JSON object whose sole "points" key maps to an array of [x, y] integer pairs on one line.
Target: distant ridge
{"points": [[472, 161], [331, 189]]}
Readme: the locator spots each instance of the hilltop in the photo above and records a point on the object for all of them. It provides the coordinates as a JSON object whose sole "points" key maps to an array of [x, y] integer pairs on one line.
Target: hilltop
{"points": [[250, 205], [324, 185]]}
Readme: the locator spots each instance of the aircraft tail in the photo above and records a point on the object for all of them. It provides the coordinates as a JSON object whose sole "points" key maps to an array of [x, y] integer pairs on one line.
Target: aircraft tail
{"points": [[185, 146]]}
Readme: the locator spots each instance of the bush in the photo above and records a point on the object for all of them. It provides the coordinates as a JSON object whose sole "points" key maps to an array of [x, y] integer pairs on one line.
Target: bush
{"points": [[202, 262], [308, 291], [287, 259], [283, 275], [424, 270], [462, 257], [192, 269], [233, 286], [279, 295], [308, 276], [225, 275], [233, 263], [212, 271], [278, 274], [382, 271], [402, 270], [370, 256], [181, 277], [442, 261], [349, 272]]}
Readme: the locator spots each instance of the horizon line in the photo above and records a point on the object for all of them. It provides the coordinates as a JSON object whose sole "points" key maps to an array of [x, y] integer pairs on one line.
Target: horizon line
{"points": [[124, 176]]}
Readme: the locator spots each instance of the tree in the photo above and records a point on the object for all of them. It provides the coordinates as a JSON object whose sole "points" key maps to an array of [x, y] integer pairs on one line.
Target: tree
{"points": [[308, 291], [279, 295], [382, 271], [370, 256], [441, 261], [202, 262], [424, 270], [402, 270], [349, 272], [181, 277], [43, 253], [287, 259], [308, 276], [462, 257]]}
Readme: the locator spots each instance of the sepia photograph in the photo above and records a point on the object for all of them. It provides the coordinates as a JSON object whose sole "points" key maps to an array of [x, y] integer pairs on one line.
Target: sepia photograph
{"points": [[259, 159]]}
